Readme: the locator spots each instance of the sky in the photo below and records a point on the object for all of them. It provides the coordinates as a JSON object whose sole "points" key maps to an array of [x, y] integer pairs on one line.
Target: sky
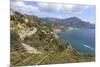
{"points": [[55, 10]]}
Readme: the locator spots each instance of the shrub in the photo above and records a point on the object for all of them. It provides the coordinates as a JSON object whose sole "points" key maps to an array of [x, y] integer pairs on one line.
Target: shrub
{"points": [[15, 39]]}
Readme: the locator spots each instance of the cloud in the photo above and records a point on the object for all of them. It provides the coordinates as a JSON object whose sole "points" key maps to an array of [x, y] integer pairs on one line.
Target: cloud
{"points": [[47, 7], [22, 7], [74, 9], [66, 8]]}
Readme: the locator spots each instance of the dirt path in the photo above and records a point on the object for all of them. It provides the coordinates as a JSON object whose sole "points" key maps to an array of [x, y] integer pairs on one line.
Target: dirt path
{"points": [[28, 33], [31, 49]]}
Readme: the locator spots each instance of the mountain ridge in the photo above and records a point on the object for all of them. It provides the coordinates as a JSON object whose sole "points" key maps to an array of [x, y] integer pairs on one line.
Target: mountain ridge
{"points": [[71, 21]]}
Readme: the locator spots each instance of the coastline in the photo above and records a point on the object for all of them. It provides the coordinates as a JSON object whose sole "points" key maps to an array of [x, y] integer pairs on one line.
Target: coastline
{"points": [[84, 46], [66, 29]]}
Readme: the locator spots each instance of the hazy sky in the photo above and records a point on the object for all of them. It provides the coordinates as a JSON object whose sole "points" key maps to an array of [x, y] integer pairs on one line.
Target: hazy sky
{"points": [[56, 10]]}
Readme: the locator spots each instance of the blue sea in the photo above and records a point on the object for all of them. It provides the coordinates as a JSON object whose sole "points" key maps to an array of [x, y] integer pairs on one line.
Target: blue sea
{"points": [[81, 39]]}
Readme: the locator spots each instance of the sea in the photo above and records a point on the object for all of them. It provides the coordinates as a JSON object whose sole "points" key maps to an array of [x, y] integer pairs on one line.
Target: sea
{"points": [[83, 40]]}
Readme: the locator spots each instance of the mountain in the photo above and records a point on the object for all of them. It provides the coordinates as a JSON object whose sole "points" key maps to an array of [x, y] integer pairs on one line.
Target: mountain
{"points": [[71, 22]]}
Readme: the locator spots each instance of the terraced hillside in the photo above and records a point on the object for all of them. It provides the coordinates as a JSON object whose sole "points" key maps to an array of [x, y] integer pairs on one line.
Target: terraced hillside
{"points": [[34, 42]]}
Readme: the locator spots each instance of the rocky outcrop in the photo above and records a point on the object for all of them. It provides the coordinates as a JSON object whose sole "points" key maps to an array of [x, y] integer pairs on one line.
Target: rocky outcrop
{"points": [[30, 49]]}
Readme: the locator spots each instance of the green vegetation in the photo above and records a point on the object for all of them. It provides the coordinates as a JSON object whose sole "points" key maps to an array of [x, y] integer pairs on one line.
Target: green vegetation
{"points": [[53, 50]]}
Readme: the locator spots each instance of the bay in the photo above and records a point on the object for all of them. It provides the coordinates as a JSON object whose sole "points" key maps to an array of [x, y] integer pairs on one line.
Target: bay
{"points": [[83, 40]]}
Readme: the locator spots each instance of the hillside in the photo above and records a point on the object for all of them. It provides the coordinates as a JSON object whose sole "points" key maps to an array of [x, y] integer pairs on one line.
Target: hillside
{"points": [[71, 22], [34, 42]]}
